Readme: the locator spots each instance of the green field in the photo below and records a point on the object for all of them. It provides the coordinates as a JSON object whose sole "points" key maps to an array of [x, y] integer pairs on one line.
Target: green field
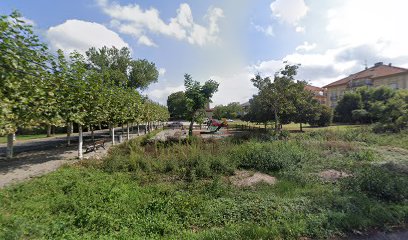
{"points": [[182, 190]]}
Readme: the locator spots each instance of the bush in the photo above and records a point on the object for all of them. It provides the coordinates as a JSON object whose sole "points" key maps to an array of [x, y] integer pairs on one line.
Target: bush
{"points": [[324, 119], [360, 116], [271, 156], [386, 127], [381, 184], [363, 155]]}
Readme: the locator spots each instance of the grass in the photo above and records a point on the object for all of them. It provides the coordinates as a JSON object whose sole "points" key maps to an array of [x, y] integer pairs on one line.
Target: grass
{"points": [[295, 126], [180, 190], [27, 137]]}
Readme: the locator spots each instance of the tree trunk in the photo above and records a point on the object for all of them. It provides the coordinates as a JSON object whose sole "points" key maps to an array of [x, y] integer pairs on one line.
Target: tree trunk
{"points": [[69, 132], [80, 142], [145, 128], [190, 129], [276, 121], [92, 134], [301, 127], [113, 134], [122, 130], [10, 145], [48, 130], [110, 129], [128, 135], [138, 129], [100, 126]]}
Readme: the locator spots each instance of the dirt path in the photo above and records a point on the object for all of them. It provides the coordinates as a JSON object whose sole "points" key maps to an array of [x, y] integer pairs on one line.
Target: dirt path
{"points": [[40, 156]]}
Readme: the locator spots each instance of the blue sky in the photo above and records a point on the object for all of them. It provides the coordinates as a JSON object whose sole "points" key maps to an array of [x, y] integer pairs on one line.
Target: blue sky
{"points": [[229, 41]]}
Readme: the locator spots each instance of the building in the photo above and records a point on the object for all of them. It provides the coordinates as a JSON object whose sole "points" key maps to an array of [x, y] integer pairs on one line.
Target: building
{"points": [[318, 93], [378, 75]]}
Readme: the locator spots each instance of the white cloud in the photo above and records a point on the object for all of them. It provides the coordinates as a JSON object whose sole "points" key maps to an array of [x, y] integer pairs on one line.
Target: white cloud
{"points": [[289, 11], [268, 30], [144, 40], [160, 94], [80, 35], [306, 46], [371, 22], [300, 29], [133, 20], [162, 71], [236, 87]]}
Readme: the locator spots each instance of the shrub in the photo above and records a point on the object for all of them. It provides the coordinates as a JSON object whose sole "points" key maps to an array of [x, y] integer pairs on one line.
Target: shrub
{"points": [[381, 184], [363, 155], [385, 127], [325, 117], [269, 156], [360, 115]]}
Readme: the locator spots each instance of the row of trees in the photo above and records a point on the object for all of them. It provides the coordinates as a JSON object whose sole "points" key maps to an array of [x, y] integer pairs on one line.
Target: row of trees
{"points": [[385, 106], [285, 100], [37, 88]]}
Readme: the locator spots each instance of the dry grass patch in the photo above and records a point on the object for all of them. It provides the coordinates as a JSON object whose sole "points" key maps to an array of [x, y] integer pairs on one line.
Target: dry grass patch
{"points": [[249, 179]]}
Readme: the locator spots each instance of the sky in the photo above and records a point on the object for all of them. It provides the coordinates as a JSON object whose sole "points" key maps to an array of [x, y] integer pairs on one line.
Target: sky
{"points": [[228, 41]]}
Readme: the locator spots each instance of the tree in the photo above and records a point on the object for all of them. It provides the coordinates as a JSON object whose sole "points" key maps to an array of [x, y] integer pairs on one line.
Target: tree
{"points": [[257, 111], [323, 116], [232, 110], [23, 87], [350, 101], [197, 96], [142, 74], [277, 96], [306, 108], [177, 105]]}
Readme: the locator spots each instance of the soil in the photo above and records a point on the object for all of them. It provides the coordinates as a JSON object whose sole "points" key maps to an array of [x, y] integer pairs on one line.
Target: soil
{"points": [[248, 179], [332, 175]]}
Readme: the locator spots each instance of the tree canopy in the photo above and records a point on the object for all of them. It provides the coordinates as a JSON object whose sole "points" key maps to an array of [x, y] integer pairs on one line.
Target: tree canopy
{"points": [[285, 100], [39, 88], [177, 105]]}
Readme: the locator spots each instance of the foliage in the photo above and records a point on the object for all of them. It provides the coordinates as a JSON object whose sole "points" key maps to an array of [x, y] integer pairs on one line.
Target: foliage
{"points": [[180, 190], [177, 105], [323, 116], [197, 96], [386, 107], [24, 83], [381, 183], [37, 88], [231, 111], [350, 101], [285, 100], [271, 156]]}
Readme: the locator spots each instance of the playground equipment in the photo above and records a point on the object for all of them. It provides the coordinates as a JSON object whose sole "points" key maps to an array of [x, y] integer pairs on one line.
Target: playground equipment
{"points": [[214, 126]]}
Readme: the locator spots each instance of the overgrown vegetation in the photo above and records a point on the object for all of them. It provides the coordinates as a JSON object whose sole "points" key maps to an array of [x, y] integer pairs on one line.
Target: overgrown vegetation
{"points": [[181, 190], [386, 107]]}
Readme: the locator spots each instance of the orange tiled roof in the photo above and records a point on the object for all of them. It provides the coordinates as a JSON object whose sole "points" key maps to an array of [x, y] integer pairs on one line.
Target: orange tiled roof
{"points": [[370, 73]]}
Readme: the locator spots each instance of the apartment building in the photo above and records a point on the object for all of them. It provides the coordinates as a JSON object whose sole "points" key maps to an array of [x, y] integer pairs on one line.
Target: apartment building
{"points": [[318, 93], [378, 75]]}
